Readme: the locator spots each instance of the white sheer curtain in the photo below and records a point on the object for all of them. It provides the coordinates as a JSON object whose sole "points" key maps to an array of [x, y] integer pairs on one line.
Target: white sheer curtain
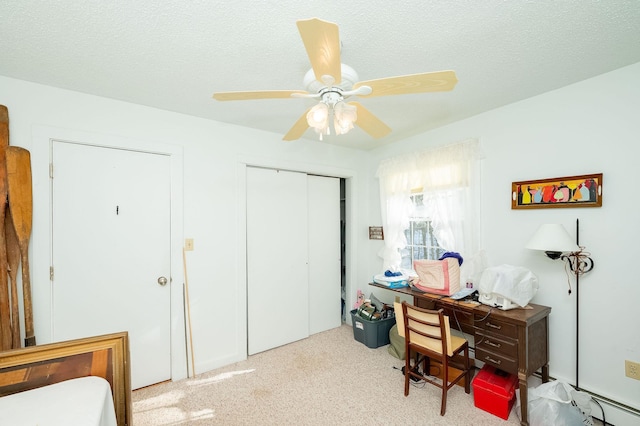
{"points": [[449, 178]]}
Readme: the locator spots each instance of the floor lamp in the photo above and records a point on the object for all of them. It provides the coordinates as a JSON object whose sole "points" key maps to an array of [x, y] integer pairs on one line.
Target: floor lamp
{"points": [[555, 241]]}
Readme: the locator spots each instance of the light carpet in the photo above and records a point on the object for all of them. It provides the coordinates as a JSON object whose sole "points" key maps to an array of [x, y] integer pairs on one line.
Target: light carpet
{"points": [[328, 378]]}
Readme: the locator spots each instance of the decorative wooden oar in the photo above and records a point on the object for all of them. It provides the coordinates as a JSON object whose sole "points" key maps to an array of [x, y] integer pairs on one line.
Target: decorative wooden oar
{"points": [[5, 308], [13, 262], [21, 205]]}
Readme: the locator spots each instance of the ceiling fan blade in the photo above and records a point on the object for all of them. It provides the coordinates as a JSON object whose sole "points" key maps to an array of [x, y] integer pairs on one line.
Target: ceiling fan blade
{"points": [[439, 81], [322, 41], [298, 128], [259, 94], [369, 122]]}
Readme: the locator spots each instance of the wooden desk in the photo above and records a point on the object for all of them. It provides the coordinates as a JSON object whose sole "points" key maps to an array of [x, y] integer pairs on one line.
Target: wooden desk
{"points": [[516, 341]]}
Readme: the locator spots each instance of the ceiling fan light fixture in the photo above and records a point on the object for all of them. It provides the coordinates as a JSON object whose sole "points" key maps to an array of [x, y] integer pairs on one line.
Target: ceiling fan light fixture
{"points": [[344, 115], [318, 118], [333, 107]]}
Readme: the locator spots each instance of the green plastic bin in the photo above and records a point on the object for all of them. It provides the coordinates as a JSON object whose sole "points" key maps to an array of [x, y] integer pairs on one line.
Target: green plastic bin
{"points": [[372, 334]]}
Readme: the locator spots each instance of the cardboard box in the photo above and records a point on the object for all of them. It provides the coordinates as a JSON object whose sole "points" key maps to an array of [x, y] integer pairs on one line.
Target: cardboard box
{"points": [[372, 333], [494, 391], [436, 370]]}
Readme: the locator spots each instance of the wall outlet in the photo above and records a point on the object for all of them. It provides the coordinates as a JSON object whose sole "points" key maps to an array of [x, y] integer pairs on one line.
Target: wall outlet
{"points": [[632, 369], [188, 244]]}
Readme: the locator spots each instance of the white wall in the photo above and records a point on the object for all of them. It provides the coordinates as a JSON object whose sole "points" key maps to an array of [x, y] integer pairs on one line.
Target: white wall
{"points": [[589, 127], [214, 156]]}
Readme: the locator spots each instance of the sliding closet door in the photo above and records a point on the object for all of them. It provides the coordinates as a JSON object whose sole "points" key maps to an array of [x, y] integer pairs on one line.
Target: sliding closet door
{"points": [[277, 287], [325, 310]]}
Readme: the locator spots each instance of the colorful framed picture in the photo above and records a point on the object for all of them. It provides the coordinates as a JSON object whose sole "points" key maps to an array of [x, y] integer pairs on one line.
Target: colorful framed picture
{"points": [[570, 191]]}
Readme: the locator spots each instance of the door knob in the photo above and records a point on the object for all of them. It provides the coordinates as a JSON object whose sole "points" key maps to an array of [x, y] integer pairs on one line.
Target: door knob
{"points": [[162, 281]]}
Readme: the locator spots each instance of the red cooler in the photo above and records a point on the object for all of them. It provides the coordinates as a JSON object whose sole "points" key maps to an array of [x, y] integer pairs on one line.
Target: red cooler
{"points": [[494, 391]]}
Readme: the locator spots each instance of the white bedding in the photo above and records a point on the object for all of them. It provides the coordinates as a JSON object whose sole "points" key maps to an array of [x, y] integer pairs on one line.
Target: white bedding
{"points": [[86, 401]]}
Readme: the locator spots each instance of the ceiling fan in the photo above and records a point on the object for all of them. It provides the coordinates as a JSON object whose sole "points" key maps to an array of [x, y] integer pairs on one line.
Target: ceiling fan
{"points": [[332, 82]]}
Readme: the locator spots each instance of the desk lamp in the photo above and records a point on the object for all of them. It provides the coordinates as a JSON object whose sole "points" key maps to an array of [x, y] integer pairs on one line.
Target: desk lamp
{"points": [[555, 241]]}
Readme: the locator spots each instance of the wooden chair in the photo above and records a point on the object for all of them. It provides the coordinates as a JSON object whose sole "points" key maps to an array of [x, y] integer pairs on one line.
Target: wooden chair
{"points": [[428, 336]]}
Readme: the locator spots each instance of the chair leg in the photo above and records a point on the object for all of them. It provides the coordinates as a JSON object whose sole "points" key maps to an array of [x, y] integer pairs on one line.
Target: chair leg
{"points": [[407, 368], [467, 377], [445, 387]]}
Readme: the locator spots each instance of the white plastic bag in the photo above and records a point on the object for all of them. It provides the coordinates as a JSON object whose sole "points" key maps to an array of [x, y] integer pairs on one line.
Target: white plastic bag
{"points": [[557, 403], [583, 401]]}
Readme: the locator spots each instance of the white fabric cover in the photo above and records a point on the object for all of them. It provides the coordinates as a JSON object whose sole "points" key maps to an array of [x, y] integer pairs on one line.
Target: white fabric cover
{"points": [[514, 283], [86, 401]]}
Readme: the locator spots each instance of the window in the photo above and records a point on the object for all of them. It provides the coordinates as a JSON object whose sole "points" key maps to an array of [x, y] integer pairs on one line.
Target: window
{"points": [[449, 178], [421, 240]]}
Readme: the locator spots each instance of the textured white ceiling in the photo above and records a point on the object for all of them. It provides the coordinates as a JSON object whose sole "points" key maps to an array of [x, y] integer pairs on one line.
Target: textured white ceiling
{"points": [[174, 54]]}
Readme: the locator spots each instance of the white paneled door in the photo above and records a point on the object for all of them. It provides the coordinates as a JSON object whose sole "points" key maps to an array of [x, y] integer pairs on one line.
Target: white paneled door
{"points": [[111, 251], [293, 256]]}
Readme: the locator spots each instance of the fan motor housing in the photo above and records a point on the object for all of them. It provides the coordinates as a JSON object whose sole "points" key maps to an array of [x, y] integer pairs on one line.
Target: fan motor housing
{"points": [[349, 78]]}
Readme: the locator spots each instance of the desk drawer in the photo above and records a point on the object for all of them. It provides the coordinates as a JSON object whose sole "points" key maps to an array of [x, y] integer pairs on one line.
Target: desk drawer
{"points": [[426, 303], [501, 361], [497, 327], [493, 343]]}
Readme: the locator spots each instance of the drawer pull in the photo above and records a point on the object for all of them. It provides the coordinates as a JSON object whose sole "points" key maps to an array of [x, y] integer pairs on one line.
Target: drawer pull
{"points": [[497, 327], [490, 343], [488, 358]]}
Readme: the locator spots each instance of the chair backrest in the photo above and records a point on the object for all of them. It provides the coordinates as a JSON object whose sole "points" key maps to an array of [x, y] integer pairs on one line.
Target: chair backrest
{"points": [[427, 328]]}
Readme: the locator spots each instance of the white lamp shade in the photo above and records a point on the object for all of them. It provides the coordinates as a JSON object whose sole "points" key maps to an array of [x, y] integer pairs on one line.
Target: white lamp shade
{"points": [[552, 237]]}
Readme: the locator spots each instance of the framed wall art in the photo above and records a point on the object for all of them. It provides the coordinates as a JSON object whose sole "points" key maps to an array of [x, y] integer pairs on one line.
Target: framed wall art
{"points": [[570, 191], [376, 233]]}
